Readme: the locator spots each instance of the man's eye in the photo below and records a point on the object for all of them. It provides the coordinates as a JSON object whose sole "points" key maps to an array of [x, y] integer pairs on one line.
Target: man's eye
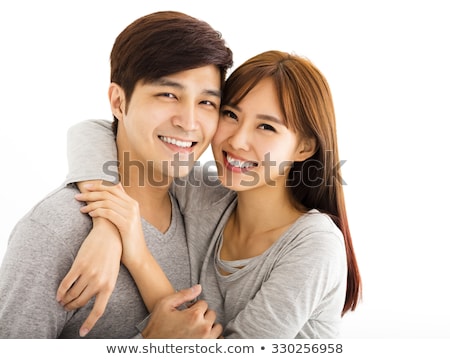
{"points": [[167, 94], [209, 103]]}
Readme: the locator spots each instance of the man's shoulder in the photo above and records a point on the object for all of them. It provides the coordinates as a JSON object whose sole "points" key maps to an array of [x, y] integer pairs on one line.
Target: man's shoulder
{"points": [[51, 231], [59, 212]]}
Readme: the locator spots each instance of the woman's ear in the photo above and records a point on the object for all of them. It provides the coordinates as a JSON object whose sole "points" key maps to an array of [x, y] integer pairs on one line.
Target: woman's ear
{"points": [[116, 100], [306, 149]]}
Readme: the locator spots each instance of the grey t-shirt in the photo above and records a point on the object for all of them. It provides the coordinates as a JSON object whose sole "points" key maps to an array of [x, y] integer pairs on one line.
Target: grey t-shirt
{"points": [[295, 289], [40, 252]]}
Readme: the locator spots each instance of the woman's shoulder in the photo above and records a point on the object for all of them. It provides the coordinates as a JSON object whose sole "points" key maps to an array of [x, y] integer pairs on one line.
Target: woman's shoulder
{"points": [[317, 229], [315, 220]]}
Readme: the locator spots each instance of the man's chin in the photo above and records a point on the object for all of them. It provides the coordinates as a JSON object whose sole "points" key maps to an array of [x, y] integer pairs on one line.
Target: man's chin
{"points": [[179, 172]]}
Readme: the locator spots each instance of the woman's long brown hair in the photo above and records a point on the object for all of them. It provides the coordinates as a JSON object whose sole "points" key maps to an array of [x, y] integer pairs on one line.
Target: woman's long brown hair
{"points": [[307, 105]]}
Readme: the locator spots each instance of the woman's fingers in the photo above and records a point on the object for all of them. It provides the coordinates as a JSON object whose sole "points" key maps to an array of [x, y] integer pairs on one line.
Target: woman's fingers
{"points": [[65, 285], [101, 300]]}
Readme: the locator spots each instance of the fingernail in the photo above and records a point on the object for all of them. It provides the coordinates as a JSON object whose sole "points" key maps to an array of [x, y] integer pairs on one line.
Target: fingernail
{"points": [[83, 332]]}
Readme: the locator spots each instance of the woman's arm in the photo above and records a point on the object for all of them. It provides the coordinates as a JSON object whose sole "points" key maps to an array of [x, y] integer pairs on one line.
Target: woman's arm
{"points": [[196, 320], [113, 204], [92, 154], [93, 273]]}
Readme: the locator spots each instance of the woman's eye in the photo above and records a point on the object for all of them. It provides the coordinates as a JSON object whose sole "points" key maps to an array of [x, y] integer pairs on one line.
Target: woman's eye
{"points": [[230, 114], [265, 126]]}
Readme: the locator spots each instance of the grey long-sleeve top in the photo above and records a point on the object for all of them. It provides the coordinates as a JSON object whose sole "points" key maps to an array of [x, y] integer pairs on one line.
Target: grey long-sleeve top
{"points": [[295, 289]]}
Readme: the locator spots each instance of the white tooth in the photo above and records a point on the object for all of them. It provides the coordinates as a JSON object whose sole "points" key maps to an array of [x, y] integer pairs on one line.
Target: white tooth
{"points": [[237, 163], [176, 142]]}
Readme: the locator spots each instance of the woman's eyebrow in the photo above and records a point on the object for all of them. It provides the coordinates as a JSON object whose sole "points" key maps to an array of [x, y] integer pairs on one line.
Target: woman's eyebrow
{"points": [[270, 118], [260, 116]]}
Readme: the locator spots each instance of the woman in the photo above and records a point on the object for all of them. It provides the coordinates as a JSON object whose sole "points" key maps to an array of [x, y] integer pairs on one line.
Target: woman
{"points": [[279, 257]]}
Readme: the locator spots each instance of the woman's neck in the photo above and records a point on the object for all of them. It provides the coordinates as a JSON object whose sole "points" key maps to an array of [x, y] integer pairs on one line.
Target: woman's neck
{"points": [[257, 222]]}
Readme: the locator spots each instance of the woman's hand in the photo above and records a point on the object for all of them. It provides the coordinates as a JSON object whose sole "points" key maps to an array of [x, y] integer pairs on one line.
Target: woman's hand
{"points": [[195, 321], [93, 273], [114, 204], [111, 202]]}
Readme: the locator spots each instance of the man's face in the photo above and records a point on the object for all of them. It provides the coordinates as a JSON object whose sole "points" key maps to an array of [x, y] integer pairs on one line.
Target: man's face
{"points": [[169, 122]]}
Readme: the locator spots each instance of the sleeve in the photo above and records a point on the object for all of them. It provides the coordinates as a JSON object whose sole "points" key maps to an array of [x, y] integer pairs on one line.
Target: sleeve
{"points": [[200, 189], [92, 152], [29, 277], [141, 326], [301, 284]]}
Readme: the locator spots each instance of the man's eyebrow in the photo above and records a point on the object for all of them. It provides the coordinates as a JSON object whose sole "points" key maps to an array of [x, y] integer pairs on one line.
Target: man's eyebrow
{"points": [[167, 82], [170, 83], [216, 93]]}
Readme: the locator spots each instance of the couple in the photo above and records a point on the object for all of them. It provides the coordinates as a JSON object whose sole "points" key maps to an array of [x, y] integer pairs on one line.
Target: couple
{"points": [[266, 237]]}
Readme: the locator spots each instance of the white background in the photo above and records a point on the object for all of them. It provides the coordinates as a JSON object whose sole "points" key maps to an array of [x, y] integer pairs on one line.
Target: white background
{"points": [[388, 66]]}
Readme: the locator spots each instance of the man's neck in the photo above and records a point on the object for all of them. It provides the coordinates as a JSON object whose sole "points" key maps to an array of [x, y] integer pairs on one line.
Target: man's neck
{"points": [[154, 204], [149, 188]]}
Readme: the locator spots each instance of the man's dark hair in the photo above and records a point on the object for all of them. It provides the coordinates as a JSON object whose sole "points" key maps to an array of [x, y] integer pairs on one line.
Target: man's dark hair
{"points": [[164, 43]]}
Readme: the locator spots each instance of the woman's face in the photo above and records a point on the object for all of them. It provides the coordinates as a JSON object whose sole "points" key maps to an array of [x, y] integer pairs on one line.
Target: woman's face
{"points": [[252, 146]]}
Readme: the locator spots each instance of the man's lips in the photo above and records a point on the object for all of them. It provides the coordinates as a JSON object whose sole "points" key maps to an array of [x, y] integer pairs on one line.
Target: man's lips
{"points": [[178, 144]]}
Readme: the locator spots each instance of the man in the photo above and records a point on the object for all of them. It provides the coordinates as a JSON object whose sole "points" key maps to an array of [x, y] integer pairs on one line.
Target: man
{"points": [[167, 70]]}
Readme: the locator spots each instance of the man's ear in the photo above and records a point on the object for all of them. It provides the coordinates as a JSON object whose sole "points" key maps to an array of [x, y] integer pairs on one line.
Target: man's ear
{"points": [[306, 149], [117, 100]]}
